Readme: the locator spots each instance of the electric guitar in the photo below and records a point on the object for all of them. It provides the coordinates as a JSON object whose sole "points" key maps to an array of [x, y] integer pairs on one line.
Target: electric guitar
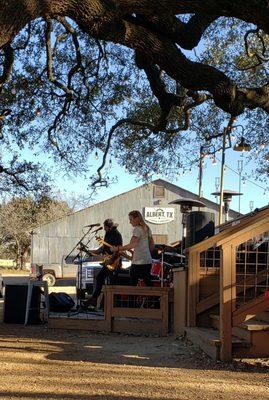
{"points": [[111, 261], [122, 253]]}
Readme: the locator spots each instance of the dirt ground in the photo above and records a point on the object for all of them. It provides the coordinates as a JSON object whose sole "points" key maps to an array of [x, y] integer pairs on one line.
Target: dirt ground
{"points": [[58, 364]]}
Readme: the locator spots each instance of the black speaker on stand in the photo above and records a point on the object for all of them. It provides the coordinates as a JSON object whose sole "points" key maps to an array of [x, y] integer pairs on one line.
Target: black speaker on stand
{"points": [[186, 205], [199, 226], [15, 304]]}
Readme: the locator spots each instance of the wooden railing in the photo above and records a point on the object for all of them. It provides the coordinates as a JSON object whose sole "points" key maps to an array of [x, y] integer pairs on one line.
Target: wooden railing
{"points": [[133, 308], [227, 287]]}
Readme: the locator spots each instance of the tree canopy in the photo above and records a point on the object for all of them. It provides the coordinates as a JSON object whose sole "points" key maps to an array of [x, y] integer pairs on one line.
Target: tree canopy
{"points": [[127, 77], [19, 217]]}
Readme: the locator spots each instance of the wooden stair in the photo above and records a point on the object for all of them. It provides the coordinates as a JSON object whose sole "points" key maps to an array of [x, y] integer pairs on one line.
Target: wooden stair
{"points": [[254, 331], [208, 340]]}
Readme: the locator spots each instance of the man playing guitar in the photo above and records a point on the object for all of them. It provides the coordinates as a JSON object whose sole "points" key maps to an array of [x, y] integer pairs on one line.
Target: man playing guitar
{"points": [[112, 238]]}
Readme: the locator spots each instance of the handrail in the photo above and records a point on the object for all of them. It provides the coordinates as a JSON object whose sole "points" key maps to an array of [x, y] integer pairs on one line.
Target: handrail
{"points": [[234, 231]]}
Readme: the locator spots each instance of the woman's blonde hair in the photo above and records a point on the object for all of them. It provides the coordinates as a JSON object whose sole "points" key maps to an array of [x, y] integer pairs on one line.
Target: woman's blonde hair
{"points": [[142, 223]]}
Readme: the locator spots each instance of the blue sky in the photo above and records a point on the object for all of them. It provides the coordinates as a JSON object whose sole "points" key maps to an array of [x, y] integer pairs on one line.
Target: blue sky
{"points": [[253, 190]]}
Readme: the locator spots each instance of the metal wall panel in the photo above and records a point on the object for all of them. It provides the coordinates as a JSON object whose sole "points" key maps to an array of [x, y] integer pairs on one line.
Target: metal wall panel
{"points": [[53, 240]]}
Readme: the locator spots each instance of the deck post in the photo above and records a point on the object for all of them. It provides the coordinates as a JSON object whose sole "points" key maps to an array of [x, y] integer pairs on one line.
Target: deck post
{"points": [[227, 300], [180, 299], [193, 286]]}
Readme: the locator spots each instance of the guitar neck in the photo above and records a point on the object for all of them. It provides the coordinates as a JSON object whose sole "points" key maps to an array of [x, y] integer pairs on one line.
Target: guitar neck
{"points": [[110, 246]]}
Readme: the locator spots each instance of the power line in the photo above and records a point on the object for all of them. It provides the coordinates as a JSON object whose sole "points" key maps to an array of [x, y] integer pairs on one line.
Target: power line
{"points": [[244, 178]]}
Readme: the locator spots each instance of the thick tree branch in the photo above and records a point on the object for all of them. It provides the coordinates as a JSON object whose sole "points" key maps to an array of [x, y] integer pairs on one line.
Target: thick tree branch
{"points": [[7, 66], [105, 20], [166, 100], [50, 74], [187, 35]]}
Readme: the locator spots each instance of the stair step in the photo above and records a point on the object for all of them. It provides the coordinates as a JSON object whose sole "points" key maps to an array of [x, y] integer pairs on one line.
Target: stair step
{"points": [[208, 340], [264, 316], [254, 325], [214, 319]]}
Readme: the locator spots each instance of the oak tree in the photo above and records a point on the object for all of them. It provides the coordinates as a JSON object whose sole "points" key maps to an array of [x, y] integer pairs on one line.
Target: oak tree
{"points": [[129, 77], [18, 217]]}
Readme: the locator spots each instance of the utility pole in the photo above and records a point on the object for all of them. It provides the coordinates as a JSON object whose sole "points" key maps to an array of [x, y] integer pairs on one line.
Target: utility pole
{"points": [[201, 160], [239, 169]]}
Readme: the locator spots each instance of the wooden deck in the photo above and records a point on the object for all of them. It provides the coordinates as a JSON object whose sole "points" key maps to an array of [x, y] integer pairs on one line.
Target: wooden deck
{"points": [[127, 309]]}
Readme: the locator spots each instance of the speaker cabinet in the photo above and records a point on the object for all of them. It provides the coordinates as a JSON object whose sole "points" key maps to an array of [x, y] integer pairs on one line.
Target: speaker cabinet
{"points": [[200, 225], [15, 304]]}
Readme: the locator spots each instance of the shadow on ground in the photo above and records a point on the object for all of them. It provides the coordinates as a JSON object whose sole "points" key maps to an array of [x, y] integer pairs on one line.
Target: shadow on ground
{"points": [[72, 345]]}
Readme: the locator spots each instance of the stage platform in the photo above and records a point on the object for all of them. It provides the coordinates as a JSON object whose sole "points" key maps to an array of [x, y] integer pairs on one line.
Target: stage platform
{"points": [[131, 310]]}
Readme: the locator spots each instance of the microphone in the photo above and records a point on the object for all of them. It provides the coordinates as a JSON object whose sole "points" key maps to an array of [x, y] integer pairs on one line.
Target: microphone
{"points": [[98, 229], [91, 226]]}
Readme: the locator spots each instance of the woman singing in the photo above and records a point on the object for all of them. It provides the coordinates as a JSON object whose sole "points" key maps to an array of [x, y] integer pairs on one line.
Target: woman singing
{"points": [[142, 243]]}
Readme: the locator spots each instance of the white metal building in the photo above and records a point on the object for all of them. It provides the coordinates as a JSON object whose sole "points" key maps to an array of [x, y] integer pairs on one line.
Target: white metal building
{"points": [[52, 240]]}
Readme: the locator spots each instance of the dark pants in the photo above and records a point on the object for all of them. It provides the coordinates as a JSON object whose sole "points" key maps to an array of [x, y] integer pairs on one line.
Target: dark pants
{"points": [[101, 277], [140, 271]]}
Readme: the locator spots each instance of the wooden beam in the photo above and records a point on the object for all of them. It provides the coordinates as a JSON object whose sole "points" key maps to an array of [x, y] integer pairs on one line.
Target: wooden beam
{"points": [[227, 299], [193, 287], [250, 309]]}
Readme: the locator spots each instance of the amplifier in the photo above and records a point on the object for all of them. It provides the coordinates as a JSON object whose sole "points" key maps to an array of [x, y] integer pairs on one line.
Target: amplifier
{"points": [[15, 304]]}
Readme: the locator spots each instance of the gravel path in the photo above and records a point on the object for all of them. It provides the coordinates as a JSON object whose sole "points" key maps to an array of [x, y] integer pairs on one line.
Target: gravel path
{"points": [[58, 364]]}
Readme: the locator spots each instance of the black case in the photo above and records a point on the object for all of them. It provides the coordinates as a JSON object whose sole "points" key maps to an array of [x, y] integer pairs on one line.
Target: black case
{"points": [[60, 302]]}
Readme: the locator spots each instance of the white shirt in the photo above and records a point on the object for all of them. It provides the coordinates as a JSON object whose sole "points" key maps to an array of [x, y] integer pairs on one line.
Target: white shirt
{"points": [[142, 251]]}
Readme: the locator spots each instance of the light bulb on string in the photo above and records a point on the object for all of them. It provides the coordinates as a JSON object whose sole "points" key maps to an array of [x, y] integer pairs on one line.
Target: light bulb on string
{"points": [[110, 162], [214, 161], [262, 145], [96, 155], [38, 112]]}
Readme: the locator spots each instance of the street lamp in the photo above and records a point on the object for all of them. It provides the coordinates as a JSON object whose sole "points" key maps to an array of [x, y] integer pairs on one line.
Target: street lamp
{"points": [[226, 133], [242, 145]]}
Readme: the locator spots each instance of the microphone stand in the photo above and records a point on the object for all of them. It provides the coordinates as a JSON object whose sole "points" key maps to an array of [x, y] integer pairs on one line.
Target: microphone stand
{"points": [[80, 258]]}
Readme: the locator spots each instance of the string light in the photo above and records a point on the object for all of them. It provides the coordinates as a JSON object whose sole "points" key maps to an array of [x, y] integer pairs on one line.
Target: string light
{"points": [[38, 112], [214, 161], [96, 155]]}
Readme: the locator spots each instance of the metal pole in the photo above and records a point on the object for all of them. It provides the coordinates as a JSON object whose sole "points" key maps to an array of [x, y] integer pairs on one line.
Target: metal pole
{"points": [[222, 175], [201, 172], [240, 169]]}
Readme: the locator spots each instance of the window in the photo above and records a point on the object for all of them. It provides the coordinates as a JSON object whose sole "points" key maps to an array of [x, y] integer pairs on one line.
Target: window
{"points": [[158, 191]]}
